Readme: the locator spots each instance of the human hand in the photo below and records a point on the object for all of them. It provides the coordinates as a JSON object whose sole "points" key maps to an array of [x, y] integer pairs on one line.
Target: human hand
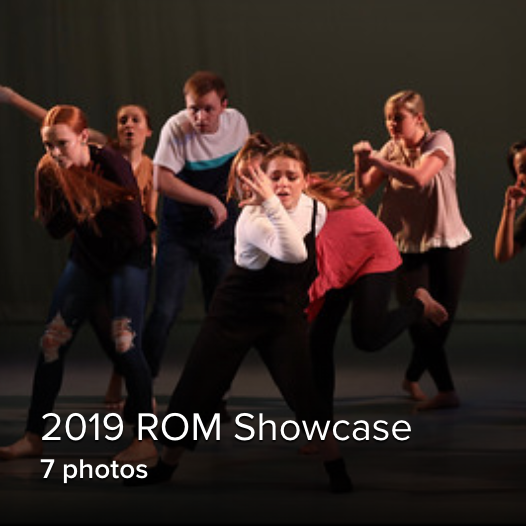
{"points": [[362, 148], [259, 185], [218, 211], [515, 196], [362, 156], [6, 94]]}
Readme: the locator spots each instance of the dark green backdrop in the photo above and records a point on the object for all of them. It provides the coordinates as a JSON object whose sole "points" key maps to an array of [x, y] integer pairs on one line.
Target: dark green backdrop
{"points": [[315, 72]]}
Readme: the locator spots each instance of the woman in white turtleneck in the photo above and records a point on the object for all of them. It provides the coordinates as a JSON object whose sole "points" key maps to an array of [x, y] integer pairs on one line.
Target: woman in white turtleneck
{"points": [[260, 304]]}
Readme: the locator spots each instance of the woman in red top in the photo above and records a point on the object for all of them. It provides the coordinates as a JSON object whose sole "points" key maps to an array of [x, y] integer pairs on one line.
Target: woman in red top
{"points": [[357, 259]]}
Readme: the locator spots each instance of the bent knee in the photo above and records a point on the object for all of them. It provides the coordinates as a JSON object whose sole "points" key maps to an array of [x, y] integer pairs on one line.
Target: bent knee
{"points": [[56, 335], [366, 341], [123, 335]]}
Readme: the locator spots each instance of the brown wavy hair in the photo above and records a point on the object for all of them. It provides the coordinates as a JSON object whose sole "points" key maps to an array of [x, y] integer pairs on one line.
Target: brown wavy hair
{"points": [[257, 144], [333, 190]]}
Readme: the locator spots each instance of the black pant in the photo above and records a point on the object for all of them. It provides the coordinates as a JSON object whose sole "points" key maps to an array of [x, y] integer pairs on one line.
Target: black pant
{"points": [[373, 326], [441, 271], [221, 346]]}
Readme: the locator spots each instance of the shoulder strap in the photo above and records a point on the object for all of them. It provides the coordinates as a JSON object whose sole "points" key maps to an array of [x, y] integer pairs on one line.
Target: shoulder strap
{"points": [[314, 215]]}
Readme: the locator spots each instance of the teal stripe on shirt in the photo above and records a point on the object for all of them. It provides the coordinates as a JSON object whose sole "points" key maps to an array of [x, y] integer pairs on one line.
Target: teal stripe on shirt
{"points": [[209, 163]]}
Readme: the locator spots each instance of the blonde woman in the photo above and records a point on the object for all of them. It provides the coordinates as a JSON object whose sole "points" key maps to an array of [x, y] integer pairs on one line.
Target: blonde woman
{"points": [[419, 206]]}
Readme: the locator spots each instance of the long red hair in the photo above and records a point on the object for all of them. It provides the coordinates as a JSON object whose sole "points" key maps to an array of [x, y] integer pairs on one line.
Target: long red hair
{"points": [[82, 189]]}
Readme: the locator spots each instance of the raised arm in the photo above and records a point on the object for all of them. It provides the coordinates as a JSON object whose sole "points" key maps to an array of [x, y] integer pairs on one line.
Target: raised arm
{"points": [[419, 177], [377, 168], [37, 113], [368, 178], [278, 237], [32, 110], [506, 247]]}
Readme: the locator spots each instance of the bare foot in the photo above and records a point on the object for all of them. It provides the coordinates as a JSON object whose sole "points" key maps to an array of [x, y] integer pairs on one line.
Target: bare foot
{"points": [[448, 400], [309, 449], [30, 445], [137, 451], [113, 397], [433, 311], [414, 390]]}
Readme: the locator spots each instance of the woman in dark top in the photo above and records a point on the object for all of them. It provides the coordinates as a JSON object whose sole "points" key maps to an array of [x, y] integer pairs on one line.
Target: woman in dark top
{"points": [[90, 193], [511, 234]]}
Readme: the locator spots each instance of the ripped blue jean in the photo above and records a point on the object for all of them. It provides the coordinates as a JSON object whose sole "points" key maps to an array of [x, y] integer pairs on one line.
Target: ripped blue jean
{"points": [[76, 296]]}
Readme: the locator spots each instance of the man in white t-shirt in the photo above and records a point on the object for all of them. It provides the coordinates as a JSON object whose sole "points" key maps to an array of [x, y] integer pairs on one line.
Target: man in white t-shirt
{"points": [[191, 166]]}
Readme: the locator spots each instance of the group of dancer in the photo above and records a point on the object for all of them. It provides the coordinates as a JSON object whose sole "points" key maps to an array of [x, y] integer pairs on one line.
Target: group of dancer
{"points": [[282, 253]]}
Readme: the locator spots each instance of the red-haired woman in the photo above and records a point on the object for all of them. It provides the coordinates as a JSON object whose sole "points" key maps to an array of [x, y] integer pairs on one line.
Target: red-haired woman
{"points": [[91, 193], [132, 129]]}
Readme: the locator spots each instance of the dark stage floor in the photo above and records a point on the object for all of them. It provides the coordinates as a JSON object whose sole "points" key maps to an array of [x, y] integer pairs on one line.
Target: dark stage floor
{"points": [[460, 466]]}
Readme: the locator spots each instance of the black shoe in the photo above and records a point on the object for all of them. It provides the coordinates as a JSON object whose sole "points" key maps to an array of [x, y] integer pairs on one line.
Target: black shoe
{"points": [[157, 474]]}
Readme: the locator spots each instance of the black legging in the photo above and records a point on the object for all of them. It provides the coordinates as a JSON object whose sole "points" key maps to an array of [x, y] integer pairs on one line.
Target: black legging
{"points": [[373, 325], [214, 360], [441, 271]]}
